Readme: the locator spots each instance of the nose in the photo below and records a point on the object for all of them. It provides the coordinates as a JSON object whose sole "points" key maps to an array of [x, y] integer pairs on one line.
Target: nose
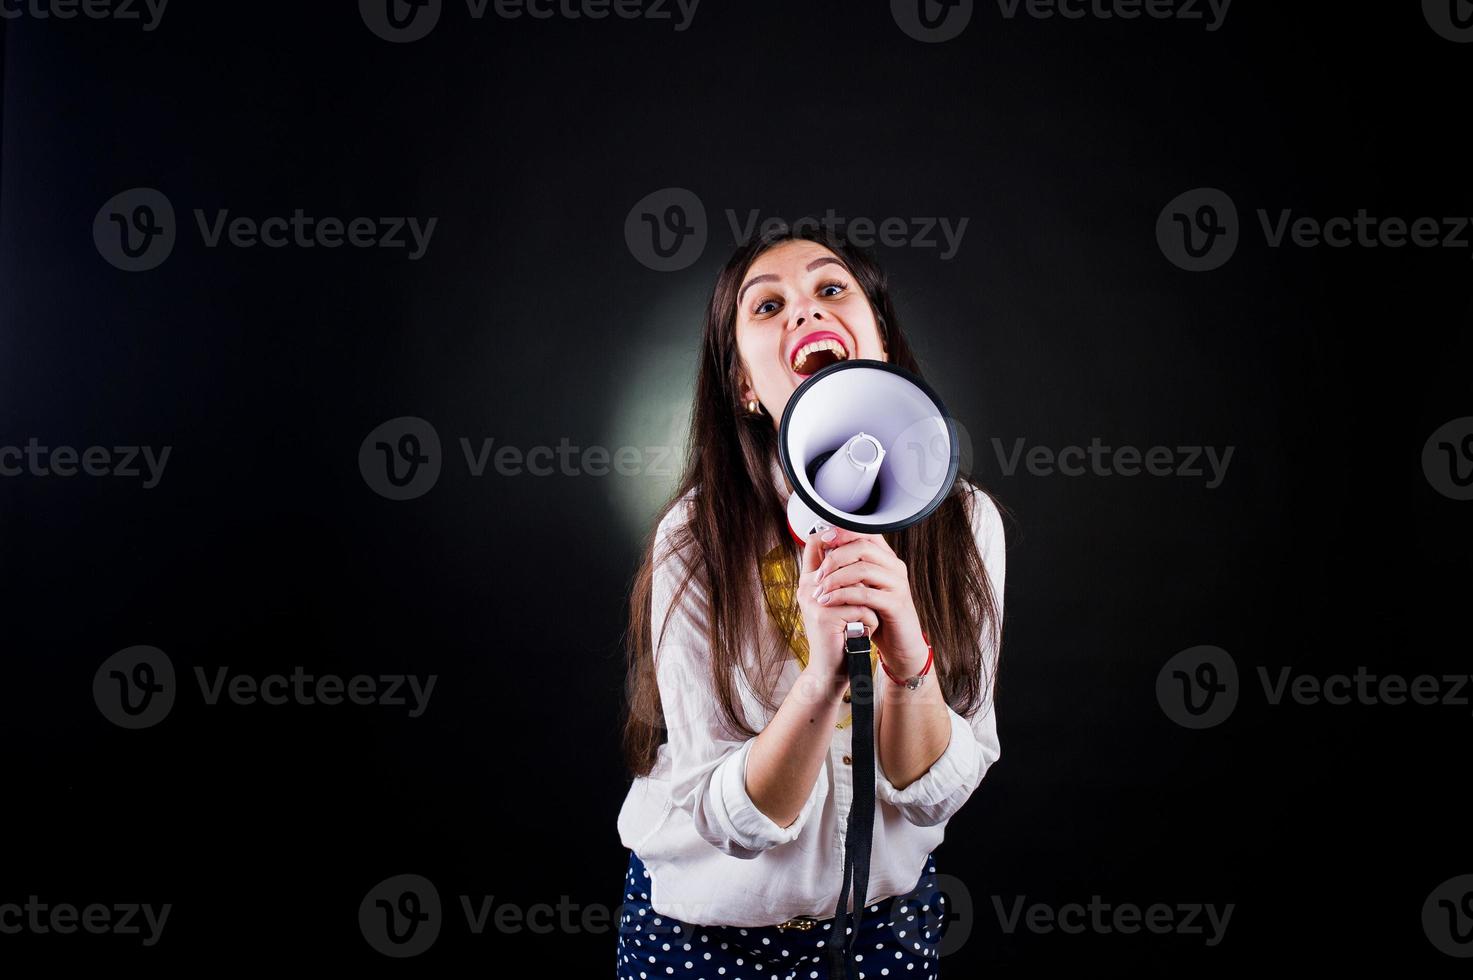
{"points": [[803, 318]]}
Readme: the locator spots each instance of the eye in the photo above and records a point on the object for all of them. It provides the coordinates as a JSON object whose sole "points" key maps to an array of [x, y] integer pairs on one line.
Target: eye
{"points": [[833, 284], [762, 307]]}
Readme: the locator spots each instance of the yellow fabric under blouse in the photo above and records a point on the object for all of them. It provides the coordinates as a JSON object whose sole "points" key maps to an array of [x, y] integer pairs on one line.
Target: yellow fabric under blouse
{"points": [[779, 584]]}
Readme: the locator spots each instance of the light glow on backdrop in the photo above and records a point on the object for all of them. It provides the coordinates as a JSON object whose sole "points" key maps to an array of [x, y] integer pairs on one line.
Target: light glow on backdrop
{"points": [[651, 405]]}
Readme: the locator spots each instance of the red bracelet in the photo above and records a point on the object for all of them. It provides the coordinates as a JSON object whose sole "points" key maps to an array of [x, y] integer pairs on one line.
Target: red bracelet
{"points": [[924, 670]]}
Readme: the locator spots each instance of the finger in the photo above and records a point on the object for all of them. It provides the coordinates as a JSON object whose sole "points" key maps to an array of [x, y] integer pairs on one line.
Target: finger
{"points": [[876, 576], [858, 595], [815, 548], [852, 614], [862, 548], [812, 552]]}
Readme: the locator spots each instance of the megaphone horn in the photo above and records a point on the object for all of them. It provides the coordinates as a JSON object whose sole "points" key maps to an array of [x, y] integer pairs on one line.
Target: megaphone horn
{"points": [[858, 442]]}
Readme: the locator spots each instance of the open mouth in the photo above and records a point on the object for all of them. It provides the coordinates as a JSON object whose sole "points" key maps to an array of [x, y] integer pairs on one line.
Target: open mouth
{"points": [[817, 351]]}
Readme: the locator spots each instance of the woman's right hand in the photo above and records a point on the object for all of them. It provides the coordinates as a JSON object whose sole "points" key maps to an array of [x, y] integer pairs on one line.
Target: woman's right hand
{"points": [[824, 624]]}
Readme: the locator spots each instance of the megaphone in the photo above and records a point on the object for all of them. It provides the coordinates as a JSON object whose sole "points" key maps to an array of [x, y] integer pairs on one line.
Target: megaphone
{"points": [[866, 446], [869, 447]]}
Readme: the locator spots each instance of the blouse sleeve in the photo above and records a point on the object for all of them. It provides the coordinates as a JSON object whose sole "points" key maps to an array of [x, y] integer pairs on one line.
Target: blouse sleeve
{"points": [[952, 778], [707, 768]]}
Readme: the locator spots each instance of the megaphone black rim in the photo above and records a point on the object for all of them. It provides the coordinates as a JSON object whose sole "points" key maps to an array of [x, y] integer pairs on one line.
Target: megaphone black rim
{"points": [[828, 516]]}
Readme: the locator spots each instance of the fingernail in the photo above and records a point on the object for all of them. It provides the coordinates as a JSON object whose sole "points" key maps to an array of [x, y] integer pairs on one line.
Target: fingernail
{"points": [[828, 535], [816, 591], [823, 599]]}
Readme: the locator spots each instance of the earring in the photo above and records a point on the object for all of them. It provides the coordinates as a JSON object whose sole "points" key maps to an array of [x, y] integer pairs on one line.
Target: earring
{"points": [[754, 407]]}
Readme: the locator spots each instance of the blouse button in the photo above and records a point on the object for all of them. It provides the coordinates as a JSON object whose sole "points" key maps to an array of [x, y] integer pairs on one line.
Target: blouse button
{"points": [[847, 760]]}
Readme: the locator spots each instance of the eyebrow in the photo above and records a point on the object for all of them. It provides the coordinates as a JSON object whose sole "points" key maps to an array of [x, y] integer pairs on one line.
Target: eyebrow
{"points": [[769, 277]]}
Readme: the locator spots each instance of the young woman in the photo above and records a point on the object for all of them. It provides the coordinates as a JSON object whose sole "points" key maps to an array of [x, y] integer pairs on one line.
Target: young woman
{"points": [[737, 733]]}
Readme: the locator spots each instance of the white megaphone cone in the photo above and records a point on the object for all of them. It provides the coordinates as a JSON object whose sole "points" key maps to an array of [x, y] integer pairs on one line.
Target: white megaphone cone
{"points": [[866, 446]]}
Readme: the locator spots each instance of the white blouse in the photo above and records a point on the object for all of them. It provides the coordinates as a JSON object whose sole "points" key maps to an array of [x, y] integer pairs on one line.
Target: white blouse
{"points": [[713, 857]]}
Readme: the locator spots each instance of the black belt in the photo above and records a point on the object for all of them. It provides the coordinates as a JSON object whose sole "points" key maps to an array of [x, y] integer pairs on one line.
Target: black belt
{"points": [[859, 834]]}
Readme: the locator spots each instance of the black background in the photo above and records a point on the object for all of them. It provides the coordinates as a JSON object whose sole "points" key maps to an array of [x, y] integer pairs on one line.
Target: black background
{"points": [[529, 320]]}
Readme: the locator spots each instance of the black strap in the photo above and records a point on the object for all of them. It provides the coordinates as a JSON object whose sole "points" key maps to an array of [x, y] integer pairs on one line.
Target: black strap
{"points": [[859, 834]]}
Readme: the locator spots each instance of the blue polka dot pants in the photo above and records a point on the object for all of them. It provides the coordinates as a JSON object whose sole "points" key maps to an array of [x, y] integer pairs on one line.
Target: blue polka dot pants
{"points": [[898, 938]]}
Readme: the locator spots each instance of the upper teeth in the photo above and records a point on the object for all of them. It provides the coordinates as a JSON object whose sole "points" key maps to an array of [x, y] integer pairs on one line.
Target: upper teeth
{"points": [[827, 344]]}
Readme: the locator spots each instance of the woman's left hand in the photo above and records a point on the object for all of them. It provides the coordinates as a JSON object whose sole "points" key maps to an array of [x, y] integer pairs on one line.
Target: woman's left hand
{"points": [[862, 570]]}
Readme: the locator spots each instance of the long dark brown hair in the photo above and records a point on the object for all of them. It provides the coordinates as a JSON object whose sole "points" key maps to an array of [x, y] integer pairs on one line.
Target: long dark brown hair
{"points": [[737, 515]]}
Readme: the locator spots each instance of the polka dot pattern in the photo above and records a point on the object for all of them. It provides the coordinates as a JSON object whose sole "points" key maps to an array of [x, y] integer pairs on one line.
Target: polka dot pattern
{"points": [[898, 937]]}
